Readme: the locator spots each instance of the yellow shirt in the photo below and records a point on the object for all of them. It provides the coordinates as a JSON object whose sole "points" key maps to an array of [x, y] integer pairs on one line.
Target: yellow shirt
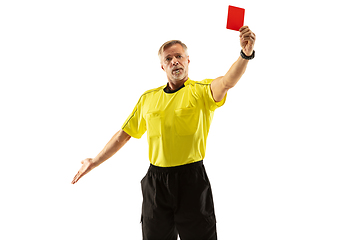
{"points": [[177, 124]]}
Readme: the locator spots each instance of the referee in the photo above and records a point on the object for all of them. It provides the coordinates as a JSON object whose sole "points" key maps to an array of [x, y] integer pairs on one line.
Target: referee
{"points": [[177, 197]]}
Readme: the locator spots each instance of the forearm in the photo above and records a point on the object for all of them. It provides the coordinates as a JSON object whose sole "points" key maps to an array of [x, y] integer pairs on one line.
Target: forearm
{"points": [[114, 145], [235, 72]]}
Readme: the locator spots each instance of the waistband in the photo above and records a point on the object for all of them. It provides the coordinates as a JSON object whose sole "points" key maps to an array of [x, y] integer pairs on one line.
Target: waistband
{"points": [[175, 169]]}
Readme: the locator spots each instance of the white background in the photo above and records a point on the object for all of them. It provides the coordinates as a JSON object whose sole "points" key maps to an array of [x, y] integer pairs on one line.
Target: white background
{"points": [[283, 152]]}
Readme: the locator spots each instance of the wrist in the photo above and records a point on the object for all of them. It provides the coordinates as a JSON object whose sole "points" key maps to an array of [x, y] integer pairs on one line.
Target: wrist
{"points": [[247, 57], [248, 54], [95, 162]]}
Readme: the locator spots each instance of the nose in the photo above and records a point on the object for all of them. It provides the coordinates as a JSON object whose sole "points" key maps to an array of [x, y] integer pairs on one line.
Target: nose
{"points": [[174, 61]]}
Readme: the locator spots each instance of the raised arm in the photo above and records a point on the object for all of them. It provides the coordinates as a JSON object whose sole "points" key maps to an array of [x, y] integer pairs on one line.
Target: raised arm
{"points": [[114, 145], [221, 85]]}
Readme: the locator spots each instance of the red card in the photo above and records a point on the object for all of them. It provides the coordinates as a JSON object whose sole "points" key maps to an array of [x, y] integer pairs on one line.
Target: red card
{"points": [[235, 18]]}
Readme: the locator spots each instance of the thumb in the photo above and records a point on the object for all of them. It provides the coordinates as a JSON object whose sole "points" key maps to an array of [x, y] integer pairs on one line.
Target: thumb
{"points": [[83, 161]]}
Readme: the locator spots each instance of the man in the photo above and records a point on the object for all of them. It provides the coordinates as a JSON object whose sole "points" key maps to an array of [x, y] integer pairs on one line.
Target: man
{"points": [[177, 198]]}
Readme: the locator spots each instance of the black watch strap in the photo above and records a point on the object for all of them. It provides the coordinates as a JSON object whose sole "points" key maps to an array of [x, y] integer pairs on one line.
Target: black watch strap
{"points": [[242, 54]]}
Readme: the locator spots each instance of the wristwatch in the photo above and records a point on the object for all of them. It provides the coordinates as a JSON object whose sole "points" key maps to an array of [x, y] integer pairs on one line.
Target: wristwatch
{"points": [[242, 54]]}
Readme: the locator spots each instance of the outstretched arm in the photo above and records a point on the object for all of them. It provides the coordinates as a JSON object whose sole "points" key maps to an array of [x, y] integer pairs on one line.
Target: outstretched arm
{"points": [[114, 145], [221, 85]]}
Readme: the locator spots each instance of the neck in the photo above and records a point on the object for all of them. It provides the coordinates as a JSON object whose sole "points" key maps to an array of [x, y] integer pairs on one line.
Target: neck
{"points": [[174, 85]]}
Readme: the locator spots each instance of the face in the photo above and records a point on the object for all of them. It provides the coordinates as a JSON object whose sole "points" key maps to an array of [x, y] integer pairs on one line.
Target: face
{"points": [[175, 63]]}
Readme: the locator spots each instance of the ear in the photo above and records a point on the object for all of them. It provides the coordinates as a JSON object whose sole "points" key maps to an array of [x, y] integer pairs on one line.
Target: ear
{"points": [[188, 59], [162, 67]]}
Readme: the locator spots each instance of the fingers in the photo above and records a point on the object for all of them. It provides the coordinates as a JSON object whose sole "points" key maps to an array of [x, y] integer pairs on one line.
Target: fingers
{"points": [[79, 175], [244, 29], [76, 178], [247, 36], [250, 38], [83, 170]]}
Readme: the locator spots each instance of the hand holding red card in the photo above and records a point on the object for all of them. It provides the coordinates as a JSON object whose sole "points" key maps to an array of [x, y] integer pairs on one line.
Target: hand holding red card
{"points": [[247, 40], [235, 21], [235, 18]]}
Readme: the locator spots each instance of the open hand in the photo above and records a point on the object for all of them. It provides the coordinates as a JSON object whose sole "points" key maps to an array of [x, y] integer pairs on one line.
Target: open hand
{"points": [[87, 166], [247, 40]]}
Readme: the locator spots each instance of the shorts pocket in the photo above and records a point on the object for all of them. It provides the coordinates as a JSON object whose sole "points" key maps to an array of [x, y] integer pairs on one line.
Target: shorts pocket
{"points": [[186, 121], [148, 192]]}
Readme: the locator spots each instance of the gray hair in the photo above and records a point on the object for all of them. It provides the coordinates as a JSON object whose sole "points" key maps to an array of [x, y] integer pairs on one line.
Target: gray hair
{"points": [[171, 43]]}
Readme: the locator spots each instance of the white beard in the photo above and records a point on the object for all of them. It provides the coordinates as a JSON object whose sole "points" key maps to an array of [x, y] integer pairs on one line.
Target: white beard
{"points": [[178, 76]]}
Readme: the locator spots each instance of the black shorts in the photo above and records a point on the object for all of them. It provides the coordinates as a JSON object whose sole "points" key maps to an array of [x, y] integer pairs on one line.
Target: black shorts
{"points": [[177, 201]]}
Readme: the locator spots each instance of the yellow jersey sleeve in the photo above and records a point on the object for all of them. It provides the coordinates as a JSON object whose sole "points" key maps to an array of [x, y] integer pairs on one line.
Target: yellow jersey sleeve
{"points": [[135, 124], [208, 97]]}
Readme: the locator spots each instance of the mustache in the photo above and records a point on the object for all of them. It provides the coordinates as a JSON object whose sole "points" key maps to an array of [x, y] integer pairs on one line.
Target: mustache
{"points": [[177, 68]]}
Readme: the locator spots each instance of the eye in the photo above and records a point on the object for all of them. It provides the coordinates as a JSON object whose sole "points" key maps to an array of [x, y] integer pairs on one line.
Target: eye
{"points": [[179, 56], [167, 59]]}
